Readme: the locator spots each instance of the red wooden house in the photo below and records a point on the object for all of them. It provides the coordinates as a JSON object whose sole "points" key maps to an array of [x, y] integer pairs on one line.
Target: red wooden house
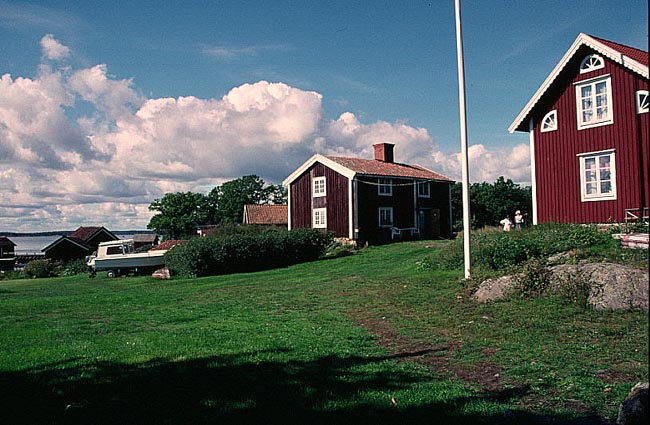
{"points": [[78, 244], [588, 127], [369, 200], [7, 254]]}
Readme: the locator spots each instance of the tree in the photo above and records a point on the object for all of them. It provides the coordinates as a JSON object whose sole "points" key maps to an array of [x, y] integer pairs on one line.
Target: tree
{"points": [[234, 194], [179, 214], [490, 203]]}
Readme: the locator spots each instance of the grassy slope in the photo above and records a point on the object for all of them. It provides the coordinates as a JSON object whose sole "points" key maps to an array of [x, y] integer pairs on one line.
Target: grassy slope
{"points": [[287, 345]]}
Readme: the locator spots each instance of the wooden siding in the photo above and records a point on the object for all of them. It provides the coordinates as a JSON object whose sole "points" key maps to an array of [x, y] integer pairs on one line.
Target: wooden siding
{"points": [[336, 200], [557, 163]]}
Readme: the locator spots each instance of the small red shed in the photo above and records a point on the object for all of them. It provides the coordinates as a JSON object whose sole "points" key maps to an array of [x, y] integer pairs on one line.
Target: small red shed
{"points": [[588, 128]]}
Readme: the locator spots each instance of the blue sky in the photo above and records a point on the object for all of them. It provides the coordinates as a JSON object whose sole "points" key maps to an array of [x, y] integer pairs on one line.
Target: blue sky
{"points": [[256, 87]]}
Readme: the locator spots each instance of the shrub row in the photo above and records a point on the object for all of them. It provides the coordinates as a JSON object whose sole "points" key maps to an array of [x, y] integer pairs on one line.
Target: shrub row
{"points": [[237, 253]]}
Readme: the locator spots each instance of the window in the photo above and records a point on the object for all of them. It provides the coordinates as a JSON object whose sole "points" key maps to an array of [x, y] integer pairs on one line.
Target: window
{"points": [[318, 187], [642, 102], [319, 218], [385, 187], [423, 190], [385, 216], [591, 63], [598, 176], [593, 100], [549, 122]]}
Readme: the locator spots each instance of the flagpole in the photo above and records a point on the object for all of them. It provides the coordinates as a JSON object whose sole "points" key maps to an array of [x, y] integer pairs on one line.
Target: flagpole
{"points": [[463, 141]]}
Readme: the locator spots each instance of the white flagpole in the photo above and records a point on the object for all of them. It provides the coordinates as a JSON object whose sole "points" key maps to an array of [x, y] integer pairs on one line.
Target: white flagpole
{"points": [[463, 141]]}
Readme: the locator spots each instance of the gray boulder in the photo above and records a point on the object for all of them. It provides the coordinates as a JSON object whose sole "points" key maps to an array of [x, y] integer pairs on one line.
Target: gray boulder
{"points": [[634, 409], [612, 286], [494, 289]]}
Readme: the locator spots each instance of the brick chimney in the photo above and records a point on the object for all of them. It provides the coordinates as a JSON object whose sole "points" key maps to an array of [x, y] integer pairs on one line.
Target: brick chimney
{"points": [[384, 152]]}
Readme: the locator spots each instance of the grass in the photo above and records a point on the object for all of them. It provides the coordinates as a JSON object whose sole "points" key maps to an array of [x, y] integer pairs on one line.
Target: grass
{"points": [[369, 338]]}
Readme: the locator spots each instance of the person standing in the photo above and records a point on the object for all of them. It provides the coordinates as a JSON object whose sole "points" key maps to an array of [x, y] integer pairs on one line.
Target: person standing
{"points": [[519, 220], [506, 223]]}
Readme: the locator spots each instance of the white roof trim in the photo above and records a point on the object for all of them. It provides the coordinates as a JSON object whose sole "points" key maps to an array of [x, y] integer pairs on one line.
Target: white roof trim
{"points": [[323, 160], [582, 39]]}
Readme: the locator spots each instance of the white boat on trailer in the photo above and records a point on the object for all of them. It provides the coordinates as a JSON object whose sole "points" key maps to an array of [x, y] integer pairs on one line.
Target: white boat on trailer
{"points": [[119, 258]]}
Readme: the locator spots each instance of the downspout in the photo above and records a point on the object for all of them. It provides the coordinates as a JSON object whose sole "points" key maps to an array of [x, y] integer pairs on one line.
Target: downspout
{"points": [[533, 173]]}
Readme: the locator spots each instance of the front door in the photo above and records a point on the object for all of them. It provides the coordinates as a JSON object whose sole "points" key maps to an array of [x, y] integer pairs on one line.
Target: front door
{"points": [[429, 223]]}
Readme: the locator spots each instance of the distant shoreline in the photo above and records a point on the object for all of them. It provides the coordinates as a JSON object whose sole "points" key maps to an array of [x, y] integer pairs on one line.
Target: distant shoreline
{"points": [[67, 232]]}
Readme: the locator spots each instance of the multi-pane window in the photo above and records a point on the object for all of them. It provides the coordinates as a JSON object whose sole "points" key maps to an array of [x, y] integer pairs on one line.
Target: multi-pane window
{"points": [[319, 218], [423, 190], [549, 122], [598, 176], [385, 217], [642, 102], [594, 99], [591, 63], [385, 187], [318, 187]]}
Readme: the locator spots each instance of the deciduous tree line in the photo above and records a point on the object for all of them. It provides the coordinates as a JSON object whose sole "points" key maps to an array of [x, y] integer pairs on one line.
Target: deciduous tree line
{"points": [[490, 203], [179, 214]]}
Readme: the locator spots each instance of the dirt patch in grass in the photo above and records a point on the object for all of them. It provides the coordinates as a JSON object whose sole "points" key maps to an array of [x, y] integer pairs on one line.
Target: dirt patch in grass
{"points": [[437, 357], [484, 375]]}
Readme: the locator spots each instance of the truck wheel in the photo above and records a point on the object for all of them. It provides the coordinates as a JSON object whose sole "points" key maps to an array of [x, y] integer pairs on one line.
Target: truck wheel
{"points": [[110, 273]]}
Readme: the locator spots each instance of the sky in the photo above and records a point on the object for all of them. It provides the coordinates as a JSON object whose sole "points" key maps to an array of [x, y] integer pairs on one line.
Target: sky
{"points": [[106, 106]]}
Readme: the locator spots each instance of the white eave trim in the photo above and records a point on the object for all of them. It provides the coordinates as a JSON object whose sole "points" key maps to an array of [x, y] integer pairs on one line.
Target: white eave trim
{"points": [[323, 160], [582, 39]]}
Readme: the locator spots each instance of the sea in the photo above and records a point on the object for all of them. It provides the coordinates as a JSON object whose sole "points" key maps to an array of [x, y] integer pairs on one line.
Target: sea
{"points": [[32, 245]]}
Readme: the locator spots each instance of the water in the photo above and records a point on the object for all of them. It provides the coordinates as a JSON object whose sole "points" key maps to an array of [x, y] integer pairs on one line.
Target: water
{"points": [[29, 245], [32, 244]]}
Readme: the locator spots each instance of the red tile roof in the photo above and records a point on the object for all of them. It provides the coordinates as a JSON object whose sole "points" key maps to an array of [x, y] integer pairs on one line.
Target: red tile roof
{"points": [[168, 244], [389, 169], [266, 214], [636, 54], [84, 233]]}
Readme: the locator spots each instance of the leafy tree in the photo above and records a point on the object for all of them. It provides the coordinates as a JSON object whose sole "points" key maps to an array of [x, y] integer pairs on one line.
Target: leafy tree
{"points": [[234, 194], [179, 213], [490, 203]]}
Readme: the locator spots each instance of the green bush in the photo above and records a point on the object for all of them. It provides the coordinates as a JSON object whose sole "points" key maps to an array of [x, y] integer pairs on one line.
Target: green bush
{"points": [[38, 268], [496, 250], [73, 267], [237, 253]]}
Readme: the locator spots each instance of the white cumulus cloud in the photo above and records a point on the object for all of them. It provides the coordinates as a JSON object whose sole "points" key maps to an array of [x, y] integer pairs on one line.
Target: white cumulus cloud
{"points": [[82, 147], [52, 49]]}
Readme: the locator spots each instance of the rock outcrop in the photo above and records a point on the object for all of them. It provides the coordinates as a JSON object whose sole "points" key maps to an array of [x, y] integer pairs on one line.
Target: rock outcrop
{"points": [[611, 286]]}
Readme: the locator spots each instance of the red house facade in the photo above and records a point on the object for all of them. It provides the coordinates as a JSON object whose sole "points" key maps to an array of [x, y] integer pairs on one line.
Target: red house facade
{"points": [[588, 129], [372, 201]]}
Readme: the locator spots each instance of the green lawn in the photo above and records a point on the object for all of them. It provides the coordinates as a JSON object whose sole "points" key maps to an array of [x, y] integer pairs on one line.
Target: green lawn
{"points": [[368, 338]]}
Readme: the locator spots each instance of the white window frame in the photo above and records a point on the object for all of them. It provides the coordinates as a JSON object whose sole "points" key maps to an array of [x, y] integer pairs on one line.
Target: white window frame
{"points": [[591, 63], [319, 218], [598, 195], [593, 100], [642, 102], [549, 122], [385, 187], [319, 187], [382, 211], [424, 190]]}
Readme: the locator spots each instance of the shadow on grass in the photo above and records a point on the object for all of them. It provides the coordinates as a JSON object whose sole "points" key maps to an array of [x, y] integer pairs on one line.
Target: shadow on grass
{"points": [[235, 389]]}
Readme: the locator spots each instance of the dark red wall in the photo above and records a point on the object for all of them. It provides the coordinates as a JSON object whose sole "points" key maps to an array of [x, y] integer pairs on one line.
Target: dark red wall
{"points": [[557, 163], [336, 200]]}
